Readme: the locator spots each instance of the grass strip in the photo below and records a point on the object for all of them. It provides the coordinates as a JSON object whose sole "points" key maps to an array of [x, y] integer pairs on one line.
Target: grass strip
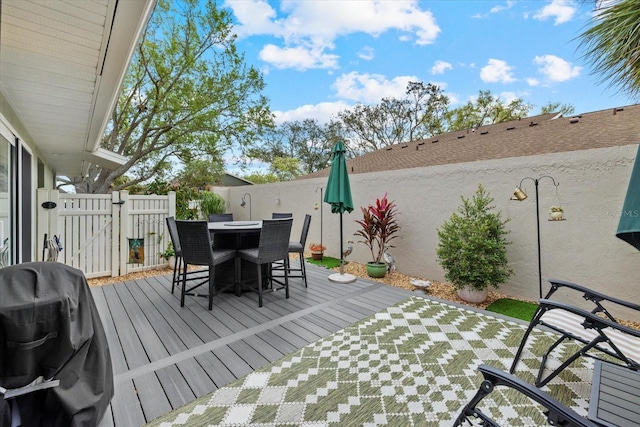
{"points": [[513, 308], [326, 261]]}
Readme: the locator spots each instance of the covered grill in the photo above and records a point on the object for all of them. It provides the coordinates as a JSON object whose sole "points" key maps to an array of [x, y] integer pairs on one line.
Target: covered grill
{"points": [[51, 341]]}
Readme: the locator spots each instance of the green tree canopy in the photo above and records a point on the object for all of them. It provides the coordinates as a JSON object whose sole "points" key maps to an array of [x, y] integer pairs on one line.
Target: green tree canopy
{"points": [[200, 173], [187, 94], [307, 142], [556, 107], [486, 109], [417, 115]]}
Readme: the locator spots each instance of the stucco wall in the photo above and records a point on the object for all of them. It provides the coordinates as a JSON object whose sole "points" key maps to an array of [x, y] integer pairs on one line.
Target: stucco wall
{"points": [[582, 249]]}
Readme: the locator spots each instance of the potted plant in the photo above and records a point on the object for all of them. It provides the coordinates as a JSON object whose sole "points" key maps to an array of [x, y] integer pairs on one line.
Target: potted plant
{"points": [[317, 251], [169, 255], [472, 248], [378, 227], [556, 213]]}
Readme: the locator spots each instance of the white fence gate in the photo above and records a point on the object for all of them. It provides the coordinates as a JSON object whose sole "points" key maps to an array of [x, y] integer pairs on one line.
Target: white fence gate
{"points": [[105, 234]]}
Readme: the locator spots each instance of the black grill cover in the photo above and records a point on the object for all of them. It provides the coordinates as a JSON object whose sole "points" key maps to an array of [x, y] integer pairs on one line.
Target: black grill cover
{"points": [[49, 327]]}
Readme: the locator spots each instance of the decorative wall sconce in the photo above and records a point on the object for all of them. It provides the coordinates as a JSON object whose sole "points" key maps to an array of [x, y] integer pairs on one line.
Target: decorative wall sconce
{"points": [[244, 203]]}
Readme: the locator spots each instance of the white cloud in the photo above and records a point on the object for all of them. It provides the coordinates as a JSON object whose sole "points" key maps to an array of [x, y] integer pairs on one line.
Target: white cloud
{"points": [[256, 17], [440, 67], [299, 57], [370, 88], [560, 10], [556, 69], [496, 9], [367, 53], [507, 97], [497, 71], [316, 24], [322, 112], [532, 81]]}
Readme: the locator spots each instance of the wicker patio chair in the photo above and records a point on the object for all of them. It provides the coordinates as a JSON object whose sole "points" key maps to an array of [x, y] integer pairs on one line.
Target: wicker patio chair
{"points": [[297, 247], [280, 215], [597, 331], [178, 265], [556, 413], [273, 246], [224, 217], [197, 249]]}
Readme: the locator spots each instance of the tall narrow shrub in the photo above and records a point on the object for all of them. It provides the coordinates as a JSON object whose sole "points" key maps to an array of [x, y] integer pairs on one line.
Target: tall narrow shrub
{"points": [[472, 246]]}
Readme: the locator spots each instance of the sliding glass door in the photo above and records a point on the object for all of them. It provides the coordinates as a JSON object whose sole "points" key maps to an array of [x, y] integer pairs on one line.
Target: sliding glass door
{"points": [[6, 202]]}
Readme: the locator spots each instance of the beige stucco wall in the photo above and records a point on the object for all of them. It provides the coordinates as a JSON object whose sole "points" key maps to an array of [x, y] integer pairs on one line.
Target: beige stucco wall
{"points": [[582, 249]]}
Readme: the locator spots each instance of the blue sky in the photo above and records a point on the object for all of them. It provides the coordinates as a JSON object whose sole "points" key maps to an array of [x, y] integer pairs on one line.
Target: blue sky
{"points": [[319, 57]]}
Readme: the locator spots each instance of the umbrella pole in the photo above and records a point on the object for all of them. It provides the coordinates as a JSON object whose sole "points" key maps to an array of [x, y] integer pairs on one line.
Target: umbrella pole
{"points": [[342, 277], [341, 250]]}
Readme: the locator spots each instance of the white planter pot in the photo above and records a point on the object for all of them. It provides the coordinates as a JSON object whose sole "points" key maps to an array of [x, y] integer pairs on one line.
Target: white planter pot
{"points": [[172, 262], [473, 295], [557, 216]]}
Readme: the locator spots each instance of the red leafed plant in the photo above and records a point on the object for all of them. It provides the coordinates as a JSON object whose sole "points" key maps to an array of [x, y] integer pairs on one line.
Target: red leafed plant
{"points": [[316, 248], [379, 225]]}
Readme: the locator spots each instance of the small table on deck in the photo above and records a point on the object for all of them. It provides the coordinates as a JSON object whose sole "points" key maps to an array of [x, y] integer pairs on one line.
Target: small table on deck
{"points": [[615, 395]]}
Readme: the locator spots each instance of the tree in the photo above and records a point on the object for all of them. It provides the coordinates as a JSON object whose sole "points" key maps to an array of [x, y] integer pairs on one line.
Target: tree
{"points": [[612, 44], [394, 121], [306, 141], [261, 178], [187, 94], [201, 173], [285, 168], [556, 107], [427, 110], [485, 110]]}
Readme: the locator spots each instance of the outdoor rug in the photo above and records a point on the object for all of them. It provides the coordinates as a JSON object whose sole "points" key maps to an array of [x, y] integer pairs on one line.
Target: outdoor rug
{"points": [[413, 364]]}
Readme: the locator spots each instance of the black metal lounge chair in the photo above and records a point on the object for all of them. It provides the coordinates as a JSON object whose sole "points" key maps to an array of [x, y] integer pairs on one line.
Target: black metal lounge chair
{"points": [[556, 413], [596, 330]]}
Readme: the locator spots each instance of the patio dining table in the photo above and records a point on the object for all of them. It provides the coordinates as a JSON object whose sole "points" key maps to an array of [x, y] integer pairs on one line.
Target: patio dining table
{"points": [[236, 235]]}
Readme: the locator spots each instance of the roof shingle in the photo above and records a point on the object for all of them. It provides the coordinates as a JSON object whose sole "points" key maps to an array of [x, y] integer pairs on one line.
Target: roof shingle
{"points": [[543, 134]]}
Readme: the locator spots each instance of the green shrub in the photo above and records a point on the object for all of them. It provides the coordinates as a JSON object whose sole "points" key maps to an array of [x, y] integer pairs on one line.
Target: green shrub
{"points": [[211, 203], [472, 244]]}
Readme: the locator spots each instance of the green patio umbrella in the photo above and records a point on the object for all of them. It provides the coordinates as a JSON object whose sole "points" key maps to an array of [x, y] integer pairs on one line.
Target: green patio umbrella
{"points": [[629, 225], [338, 195]]}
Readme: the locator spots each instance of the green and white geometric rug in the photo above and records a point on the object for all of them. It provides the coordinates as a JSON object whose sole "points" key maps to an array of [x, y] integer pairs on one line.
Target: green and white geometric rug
{"points": [[413, 364]]}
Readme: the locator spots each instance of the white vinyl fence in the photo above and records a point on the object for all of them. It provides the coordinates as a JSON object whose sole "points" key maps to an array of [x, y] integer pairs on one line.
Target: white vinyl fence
{"points": [[103, 234]]}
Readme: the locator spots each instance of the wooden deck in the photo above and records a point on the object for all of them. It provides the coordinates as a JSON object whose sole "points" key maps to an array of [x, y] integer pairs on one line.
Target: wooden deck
{"points": [[165, 356]]}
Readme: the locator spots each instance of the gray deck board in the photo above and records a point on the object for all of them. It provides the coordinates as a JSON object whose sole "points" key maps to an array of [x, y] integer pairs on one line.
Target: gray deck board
{"points": [[125, 406], [268, 351], [251, 355], [175, 386], [165, 356], [152, 397], [132, 348]]}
